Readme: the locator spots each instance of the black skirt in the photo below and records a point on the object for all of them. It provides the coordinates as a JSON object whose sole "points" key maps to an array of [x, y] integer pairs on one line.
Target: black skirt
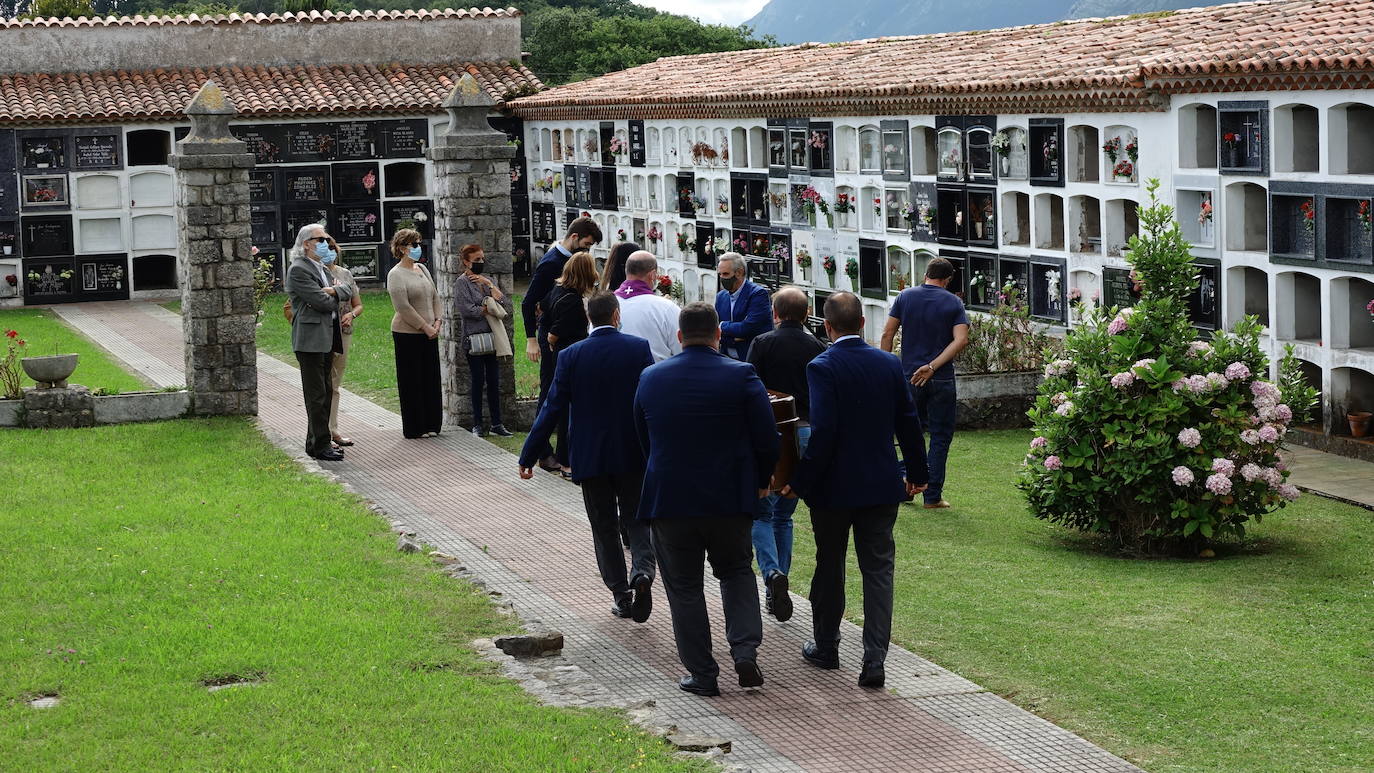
{"points": [[417, 383]]}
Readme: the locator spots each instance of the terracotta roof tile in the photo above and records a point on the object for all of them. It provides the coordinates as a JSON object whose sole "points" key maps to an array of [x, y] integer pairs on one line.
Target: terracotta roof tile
{"points": [[120, 95], [1115, 64], [260, 18]]}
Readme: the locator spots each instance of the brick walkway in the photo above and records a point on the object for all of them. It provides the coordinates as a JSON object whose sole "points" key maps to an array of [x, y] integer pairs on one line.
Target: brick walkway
{"points": [[530, 541]]}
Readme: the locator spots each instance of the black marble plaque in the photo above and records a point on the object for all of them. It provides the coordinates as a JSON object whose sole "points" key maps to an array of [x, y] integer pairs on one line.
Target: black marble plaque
{"points": [[263, 185], [302, 184], [310, 142], [404, 139], [43, 151], [520, 253], [267, 142], [1046, 151], [1243, 137], [46, 235], [9, 182], [544, 224], [923, 198], [45, 191], [356, 224], [636, 136], [1204, 302], [356, 182], [97, 151], [416, 215], [983, 282], [361, 262], [102, 277], [293, 218], [355, 140], [265, 221], [1117, 288], [1047, 298], [49, 280]]}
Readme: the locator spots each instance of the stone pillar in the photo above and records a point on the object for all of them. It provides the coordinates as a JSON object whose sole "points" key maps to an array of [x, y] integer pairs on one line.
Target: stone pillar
{"points": [[472, 205], [218, 318]]}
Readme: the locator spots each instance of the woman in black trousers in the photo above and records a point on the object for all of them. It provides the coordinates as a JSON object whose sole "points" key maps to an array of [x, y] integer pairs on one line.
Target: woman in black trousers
{"points": [[415, 331]]}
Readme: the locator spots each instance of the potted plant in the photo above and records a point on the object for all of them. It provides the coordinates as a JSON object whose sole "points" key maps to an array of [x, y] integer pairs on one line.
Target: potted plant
{"points": [[51, 371], [1359, 422]]}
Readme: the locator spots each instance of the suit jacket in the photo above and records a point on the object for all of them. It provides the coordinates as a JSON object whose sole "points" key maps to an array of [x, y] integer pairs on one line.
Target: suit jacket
{"points": [[708, 434], [594, 386], [314, 313], [752, 316], [859, 400], [542, 280]]}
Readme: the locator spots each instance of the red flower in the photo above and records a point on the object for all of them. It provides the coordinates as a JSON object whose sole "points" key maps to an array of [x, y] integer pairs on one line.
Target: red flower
{"points": [[11, 333], [664, 282]]}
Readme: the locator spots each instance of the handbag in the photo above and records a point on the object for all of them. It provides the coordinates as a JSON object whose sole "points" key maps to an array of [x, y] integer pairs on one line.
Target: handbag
{"points": [[480, 344]]}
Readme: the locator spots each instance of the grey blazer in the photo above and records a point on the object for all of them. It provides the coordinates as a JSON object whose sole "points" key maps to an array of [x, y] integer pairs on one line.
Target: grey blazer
{"points": [[313, 311]]}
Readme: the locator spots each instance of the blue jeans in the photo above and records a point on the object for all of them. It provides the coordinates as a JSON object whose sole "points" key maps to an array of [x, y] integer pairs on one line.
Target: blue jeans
{"points": [[936, 403], [773, 524]]}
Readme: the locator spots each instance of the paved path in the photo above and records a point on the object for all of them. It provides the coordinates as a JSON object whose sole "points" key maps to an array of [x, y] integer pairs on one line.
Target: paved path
{"points": [[530, 541], [1337, 477]]}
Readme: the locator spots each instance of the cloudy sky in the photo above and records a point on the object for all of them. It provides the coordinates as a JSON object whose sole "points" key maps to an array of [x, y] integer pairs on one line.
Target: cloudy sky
{"points": [[710, 11]]}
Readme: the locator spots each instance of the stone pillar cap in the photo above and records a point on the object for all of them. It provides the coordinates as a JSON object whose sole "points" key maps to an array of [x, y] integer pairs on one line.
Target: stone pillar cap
{"points": [[210, 110]]}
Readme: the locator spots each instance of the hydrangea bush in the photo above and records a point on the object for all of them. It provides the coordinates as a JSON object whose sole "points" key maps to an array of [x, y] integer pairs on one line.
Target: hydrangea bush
{"points": [[1150, 437]]}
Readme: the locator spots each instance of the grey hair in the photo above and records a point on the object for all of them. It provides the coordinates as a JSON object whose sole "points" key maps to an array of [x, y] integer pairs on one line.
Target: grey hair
{"points": [[298, 249], [736, 260], [640, 263]]}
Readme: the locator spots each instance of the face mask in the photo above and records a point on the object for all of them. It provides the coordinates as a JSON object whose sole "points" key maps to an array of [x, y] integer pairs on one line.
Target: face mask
{"points": [[329, 258], [478, 267], [416, 253], [728, 282], [321, 249]]}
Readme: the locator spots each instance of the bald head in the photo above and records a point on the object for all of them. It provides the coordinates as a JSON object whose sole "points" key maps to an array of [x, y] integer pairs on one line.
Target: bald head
{"points": [[844, 314], [790, 305], [640, 264]]}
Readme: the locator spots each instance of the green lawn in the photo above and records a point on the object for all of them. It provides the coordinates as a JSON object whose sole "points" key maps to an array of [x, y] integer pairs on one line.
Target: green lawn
{"points": [[1260, 660], [371, 361], [46, 334], [224, 558]]}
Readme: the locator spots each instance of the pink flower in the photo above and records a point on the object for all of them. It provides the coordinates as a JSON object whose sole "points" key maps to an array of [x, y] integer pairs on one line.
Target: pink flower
{"points": [[1058, 368], [1283, 413], [1237, 370], [1052, 462], [1116, 326], [1288, 491], [1182, 476], [1250, 437], [1219, 484], [1217, 381], [1264, 389], [1224, 466], [1123, 379], [1199, 348], [1059, 399], [1145, 363], [1268, 434], [1250, 471], [1065, 409], [1040, 442], [1272, 476], [1189, 437], [1180, 385], [253, 251], [1198, 384]]}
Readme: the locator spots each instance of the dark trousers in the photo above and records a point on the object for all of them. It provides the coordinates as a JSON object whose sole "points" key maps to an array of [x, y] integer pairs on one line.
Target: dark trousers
{"points": [[612, 501], [417, 383], [316, 378], [681, 544], [548, 362], [484, 374], [936, 405], [876, 551]]}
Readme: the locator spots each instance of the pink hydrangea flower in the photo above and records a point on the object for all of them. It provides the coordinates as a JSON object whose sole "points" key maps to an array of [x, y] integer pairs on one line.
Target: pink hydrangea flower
{"points": [[1272, 476], [1264, 389], [1189, 437], [1040, 442], [1059, 399], [1250, 437], [1145, 363], [1268, 434], [1265, 402], [1198, 384], [1217, 380], [1052, 462], [1058, 368], [1237, 370], [1224, 466], [1065, 409], [1199, 348], [1180, 385], [1219, 484], [1182, 476], [1282, 413], [1288, 491], [1280, 466], [1117, 326], [1123, 379], [1250, 471]]}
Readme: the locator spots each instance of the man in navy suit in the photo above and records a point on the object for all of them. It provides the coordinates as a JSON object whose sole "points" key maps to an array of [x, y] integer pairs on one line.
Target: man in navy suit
{"points": [[707, 429], [594, 387], [743, 306], [851, 479]]}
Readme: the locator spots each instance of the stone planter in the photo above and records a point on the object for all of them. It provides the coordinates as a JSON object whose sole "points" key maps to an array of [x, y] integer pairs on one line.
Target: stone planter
{"points": [[996, 400], [141, 406], [50, 372], [1359, 423]]}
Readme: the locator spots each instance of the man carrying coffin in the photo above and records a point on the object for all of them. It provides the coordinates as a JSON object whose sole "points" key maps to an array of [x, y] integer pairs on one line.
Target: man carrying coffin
{"points": [[708, 432], [850, 478]]}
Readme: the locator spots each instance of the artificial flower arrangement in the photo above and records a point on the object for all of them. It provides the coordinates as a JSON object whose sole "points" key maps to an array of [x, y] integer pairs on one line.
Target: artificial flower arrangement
{"points": [[685, 242], [1362, 213], [1123, 168], [816, 140], [1112, 148], [1204, 214], [803, 258], [618, 146], [723, 205], [828, 266], [844, 204], [1002, 144], [1309, 215], [654, 234], [811, 201], [851, 268]]}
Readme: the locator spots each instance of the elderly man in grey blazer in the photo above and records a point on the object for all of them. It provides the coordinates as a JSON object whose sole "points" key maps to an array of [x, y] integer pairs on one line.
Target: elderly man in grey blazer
{"points": [[316, 335]]}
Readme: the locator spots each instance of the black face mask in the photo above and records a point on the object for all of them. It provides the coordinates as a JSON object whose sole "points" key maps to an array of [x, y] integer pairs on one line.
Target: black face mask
{"points": [[729, 282], [478, 267]]}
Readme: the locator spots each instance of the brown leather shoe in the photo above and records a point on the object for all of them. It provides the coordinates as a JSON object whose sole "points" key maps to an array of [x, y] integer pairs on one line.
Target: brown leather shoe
{"points": [[942, 504]]}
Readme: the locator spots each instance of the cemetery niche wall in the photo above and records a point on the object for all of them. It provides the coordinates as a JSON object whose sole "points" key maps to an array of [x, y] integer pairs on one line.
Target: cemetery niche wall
{"points": [[1016, 170]]}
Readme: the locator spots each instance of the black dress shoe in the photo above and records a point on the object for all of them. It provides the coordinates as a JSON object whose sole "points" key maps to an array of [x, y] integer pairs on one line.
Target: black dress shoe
{"points": [[872, 675], [780, 606], [749, 673], [500, 430], [643, 603], [813, 654], [698, 686], [329, 456], [623, 606]]}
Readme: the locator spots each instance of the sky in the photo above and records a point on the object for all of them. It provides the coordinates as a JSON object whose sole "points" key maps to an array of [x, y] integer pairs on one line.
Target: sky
{"points": [[729, 12]]}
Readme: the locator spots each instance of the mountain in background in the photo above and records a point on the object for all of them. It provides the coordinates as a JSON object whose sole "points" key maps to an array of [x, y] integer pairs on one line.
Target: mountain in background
{"points": [[802, 21]]}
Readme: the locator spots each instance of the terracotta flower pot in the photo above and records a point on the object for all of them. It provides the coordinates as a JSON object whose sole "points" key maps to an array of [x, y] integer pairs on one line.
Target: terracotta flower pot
{"points": [[50, 372], [1359, 423]]}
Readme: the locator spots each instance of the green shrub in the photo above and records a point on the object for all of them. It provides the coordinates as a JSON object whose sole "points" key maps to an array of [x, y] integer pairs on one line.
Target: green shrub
{"points": [[1150, 437]]}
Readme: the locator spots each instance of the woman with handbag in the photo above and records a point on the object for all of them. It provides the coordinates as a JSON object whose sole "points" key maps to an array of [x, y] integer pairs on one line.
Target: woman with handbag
{"points": [[568, 324], [478, 302], [415, 331]]}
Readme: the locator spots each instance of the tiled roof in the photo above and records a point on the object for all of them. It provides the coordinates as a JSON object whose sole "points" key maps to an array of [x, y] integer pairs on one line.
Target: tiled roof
{"points": [[1100, 65], [260, 18], [121, 96]]}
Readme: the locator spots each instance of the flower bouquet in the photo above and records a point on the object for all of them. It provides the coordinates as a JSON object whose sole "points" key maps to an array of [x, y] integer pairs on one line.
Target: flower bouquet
{"points": [[851, 270]]}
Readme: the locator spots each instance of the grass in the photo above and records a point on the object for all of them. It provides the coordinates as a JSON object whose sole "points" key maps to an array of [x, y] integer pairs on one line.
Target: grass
{"points": [[46, 334], [1259, 660], [225, 559], [371, 361]]}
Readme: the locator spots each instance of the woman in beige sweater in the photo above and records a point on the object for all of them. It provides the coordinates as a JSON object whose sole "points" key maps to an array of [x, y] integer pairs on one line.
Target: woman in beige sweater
{"points": [[415, 330]]}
